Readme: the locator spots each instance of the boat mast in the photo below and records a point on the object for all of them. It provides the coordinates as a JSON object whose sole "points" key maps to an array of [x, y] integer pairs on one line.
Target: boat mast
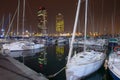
{"points": [[74, 30], [3, 29], [86, 5], [23, 16], [18, 16], [10, 24], [113, 19]]}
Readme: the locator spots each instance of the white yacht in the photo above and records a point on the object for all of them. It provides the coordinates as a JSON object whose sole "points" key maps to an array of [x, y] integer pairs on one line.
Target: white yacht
{"points": [[114, 63], [21, 45], [83, 63]]}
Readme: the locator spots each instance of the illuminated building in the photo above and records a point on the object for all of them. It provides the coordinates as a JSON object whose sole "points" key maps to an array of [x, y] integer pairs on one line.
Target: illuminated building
{"points": [[59, 23], [42, 19]]}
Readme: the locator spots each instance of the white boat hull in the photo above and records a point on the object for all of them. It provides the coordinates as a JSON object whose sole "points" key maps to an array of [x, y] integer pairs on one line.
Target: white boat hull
{"points": [[114, 65], [84, 64], [21, 45], [80, 71]]}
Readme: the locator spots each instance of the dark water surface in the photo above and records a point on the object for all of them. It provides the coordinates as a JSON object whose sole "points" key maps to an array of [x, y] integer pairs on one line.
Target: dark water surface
{"points": [[50, 60]]}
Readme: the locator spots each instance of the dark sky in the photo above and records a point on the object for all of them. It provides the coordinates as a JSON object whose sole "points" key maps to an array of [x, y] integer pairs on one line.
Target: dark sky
{"points": [[102, 14]]}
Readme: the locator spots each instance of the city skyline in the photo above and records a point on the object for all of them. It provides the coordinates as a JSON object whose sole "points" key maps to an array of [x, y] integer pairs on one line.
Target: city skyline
{"points": [[103, 15]]}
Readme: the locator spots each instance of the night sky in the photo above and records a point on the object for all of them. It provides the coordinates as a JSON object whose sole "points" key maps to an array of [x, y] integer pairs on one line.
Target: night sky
{"points": [[103, 15]]}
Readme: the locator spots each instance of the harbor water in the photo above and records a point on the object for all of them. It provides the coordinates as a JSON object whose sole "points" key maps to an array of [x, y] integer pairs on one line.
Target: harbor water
{"points": [[51, 60]]}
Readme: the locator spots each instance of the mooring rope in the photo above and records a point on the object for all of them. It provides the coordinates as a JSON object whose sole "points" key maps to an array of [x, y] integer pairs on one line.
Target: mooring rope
{"points": [[53, 75]]}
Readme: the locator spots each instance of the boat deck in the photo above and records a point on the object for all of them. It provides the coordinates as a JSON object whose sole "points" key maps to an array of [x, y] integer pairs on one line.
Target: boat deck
{"points": [[11, 69], [117, 66]]}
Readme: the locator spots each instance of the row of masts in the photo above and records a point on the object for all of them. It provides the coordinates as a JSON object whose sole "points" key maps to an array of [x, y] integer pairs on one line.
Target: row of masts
{"points": [[10, 24], [93, 28]]}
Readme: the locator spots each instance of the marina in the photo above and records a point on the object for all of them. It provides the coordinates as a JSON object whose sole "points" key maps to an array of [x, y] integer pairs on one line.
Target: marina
{"points": [[52, 59], [80, 41]]}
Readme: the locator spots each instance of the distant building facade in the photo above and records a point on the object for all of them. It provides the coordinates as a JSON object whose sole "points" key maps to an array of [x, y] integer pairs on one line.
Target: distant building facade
{"points": [[42, 20], [59, 23]]}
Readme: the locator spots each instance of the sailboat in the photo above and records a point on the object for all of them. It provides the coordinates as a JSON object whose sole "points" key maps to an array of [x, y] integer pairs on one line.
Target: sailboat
{"points": [[22, 44], [114, 55], [114, 63], [84, 63]]}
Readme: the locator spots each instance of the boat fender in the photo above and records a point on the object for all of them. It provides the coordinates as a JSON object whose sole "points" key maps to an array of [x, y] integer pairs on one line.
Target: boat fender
{"points": [[106, 64]]}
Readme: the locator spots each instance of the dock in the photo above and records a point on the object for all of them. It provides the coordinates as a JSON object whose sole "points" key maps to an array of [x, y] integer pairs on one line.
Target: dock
{"points": [[11, 69]]}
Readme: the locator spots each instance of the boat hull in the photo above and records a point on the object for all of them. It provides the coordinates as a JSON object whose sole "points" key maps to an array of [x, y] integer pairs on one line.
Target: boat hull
{"points": [[21, 45], [80, 71], [113, 75], [114, 65]]}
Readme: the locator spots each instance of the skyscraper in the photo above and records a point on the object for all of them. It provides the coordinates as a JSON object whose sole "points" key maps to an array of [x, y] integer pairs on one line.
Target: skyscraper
{"points": [[42, 20], [59, 23]]}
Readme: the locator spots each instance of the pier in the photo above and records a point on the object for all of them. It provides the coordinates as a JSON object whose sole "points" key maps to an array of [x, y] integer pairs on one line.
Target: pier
{"points": [[11, 69]]}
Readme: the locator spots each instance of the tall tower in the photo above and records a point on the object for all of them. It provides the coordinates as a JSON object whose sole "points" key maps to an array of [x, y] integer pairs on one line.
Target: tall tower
{"points": [[42, 20], [59, 23]]}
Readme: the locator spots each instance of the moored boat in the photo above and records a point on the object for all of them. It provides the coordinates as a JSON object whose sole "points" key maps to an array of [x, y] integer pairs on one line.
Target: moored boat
{"points": [[83, 63], [21, 45], [114, 63]]}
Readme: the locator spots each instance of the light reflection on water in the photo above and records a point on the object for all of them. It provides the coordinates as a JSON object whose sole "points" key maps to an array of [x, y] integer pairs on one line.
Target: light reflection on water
{"points": [[50, 60]]}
